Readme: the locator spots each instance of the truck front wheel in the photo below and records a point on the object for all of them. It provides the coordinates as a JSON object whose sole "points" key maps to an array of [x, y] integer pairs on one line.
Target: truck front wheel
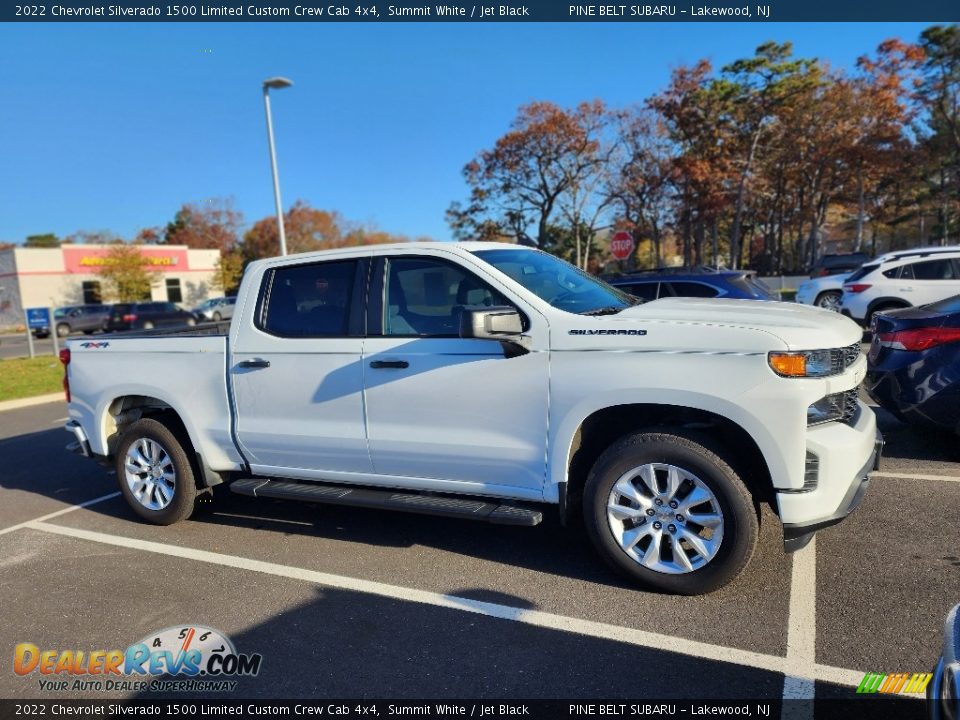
{"points": [[155, 474], [667, 512]]}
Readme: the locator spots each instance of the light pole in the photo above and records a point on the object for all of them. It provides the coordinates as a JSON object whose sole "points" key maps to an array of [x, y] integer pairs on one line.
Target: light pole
{"points": [[277, 83]]}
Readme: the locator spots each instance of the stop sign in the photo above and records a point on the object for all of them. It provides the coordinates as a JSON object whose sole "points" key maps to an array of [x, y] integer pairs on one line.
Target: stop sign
{"points": [[621, 245]]}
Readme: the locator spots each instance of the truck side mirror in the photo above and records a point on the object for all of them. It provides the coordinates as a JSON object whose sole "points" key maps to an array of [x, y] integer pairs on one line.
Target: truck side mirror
{"points": [[493, 323], [496, 323]]}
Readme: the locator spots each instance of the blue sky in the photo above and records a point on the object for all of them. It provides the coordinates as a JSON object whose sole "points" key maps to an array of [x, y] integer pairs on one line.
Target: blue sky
{"points": [[113, 126]]}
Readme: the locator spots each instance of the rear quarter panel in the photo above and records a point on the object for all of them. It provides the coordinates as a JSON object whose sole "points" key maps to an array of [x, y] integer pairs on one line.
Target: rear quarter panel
{"points": [[186, 373]]}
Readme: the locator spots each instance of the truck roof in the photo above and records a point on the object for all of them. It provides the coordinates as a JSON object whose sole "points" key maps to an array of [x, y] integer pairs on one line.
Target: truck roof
{"points": [[353, 250]]}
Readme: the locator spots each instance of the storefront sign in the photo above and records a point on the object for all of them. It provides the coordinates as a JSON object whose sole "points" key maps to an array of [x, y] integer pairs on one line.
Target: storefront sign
{"points": [[89, 260]]}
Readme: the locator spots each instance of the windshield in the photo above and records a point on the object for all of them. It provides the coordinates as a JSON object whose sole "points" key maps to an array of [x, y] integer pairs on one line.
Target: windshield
{"points": [[557, 282]]}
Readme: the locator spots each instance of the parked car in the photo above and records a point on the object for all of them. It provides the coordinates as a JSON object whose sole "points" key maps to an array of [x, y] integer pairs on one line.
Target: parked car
{"points": [[825, 291], [148, 315], [906, 278], [215, 309], [704, 283], [943, 692], [914, 363], [838, 264], [80, 318], [494, 382]]}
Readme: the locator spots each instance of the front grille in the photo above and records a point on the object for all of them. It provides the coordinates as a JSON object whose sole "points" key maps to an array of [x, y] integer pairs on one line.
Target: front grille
{"points": [[843, 407], [842, 358], [846, 405], [851, 406]]}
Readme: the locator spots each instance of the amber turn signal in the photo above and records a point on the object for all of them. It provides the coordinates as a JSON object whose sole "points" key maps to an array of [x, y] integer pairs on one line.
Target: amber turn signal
{"points": [[789, 364]]}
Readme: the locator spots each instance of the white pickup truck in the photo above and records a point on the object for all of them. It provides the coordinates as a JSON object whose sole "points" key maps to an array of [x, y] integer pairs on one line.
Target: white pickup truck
{"points": [[492, 382]]}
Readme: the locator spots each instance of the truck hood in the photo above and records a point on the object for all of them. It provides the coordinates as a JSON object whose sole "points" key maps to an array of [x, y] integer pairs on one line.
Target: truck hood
{"points": [[799, 327]]}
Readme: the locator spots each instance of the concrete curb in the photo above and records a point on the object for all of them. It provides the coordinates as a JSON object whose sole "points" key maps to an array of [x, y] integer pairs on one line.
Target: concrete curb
{"points": [[30, 401]]}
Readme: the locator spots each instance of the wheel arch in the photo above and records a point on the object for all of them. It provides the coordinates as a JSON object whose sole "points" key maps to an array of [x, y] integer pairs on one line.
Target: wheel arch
{"points": [[881, 301], [718, 433], [124, 410]]}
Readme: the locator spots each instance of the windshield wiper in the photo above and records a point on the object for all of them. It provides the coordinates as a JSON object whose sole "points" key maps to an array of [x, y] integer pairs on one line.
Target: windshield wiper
{"points": [[608, 310]]}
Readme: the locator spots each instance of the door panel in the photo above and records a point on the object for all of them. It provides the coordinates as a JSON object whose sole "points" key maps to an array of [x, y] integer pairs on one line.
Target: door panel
{"points": [[447, 408], [304, 410], [459, 410], [927, 281]]}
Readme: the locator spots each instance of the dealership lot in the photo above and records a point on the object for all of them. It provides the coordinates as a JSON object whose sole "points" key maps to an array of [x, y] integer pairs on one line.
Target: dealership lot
{"points": [[345, 602]]}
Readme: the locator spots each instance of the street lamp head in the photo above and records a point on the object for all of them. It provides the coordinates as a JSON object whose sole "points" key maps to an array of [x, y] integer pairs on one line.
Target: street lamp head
{"points": [[277, 83]]}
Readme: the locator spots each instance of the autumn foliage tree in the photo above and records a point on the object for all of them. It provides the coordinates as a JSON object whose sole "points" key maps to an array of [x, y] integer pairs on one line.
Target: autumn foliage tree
{"points": [[770, 157], [124, 275], [307, 229], [516, 186], [209, 225]]}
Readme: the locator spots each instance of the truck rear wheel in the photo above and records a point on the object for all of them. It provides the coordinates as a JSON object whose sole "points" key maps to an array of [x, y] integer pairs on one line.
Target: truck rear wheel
{"points": [[669, 513], [155, 474]]}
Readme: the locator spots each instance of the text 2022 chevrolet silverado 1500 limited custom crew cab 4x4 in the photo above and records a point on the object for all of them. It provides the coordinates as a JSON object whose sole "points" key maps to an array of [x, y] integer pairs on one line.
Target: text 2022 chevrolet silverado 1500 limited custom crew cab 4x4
{"points": [[490, 381]]}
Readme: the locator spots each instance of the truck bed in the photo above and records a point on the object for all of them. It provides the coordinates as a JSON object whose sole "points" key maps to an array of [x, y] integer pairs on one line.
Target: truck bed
{"points": [[184, 368]]}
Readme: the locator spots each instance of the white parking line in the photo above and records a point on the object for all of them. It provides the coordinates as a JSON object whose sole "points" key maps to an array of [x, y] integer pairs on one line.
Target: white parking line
{"points": [[798, 681], [632, 636], [58, 513], [914, 476]]}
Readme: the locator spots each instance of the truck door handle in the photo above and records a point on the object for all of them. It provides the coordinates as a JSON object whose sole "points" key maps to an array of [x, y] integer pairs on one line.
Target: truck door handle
{"points": [[380, 364], [255, 363]]}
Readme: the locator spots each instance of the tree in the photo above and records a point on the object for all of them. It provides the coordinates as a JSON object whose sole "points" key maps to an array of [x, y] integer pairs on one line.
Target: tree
{"points": [[517, 184], [306, 228], [211, 225], [642, 183], [228, 271], [586, 170], [47, 240], [939, 90], [124, 275], [753, 90]]}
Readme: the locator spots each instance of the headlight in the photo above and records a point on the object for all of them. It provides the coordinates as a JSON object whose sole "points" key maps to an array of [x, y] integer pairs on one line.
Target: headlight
{"points": [[808, 363]]}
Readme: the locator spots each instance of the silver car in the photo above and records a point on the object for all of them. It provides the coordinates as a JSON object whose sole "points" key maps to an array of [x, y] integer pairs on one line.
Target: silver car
{"points": [[216, 309]]}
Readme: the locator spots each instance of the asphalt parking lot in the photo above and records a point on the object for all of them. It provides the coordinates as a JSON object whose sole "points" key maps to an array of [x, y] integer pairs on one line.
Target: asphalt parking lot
{"points": [[355, 603]]}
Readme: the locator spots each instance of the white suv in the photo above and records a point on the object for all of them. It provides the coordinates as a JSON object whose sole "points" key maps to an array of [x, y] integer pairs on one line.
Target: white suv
{"points": [[905, 278]]}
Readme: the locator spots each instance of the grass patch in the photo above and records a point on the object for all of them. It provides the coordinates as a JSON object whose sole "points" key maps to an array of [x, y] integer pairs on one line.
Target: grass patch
{"points": [[26, 377]]}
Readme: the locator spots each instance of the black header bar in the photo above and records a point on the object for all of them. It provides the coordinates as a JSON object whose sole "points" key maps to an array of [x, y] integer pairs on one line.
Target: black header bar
{"points": [[637, 11]]}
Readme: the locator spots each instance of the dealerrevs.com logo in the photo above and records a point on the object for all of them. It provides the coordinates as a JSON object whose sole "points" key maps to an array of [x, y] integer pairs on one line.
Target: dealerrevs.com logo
{"points": [[184, 658]]}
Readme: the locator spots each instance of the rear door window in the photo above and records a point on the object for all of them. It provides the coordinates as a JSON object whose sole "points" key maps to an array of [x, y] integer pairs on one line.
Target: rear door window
{"points": [[931, 270], [309, 301]]}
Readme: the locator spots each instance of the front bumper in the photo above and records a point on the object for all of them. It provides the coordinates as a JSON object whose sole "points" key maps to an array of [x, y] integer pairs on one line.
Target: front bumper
{"points": [[798, 535]]}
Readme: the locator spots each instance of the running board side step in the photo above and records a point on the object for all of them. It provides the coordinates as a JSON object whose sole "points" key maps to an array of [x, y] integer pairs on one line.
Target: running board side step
{"points": [[444, 506]]}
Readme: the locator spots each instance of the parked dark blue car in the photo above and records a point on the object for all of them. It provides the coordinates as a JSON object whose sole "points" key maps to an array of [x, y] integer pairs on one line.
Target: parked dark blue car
{"points": [[914, 363], [696, 282]]}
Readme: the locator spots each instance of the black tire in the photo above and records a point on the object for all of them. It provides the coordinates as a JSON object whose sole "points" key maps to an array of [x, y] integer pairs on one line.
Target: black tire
{"points": [[63, 329], [182, 502], [739, 523]]}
